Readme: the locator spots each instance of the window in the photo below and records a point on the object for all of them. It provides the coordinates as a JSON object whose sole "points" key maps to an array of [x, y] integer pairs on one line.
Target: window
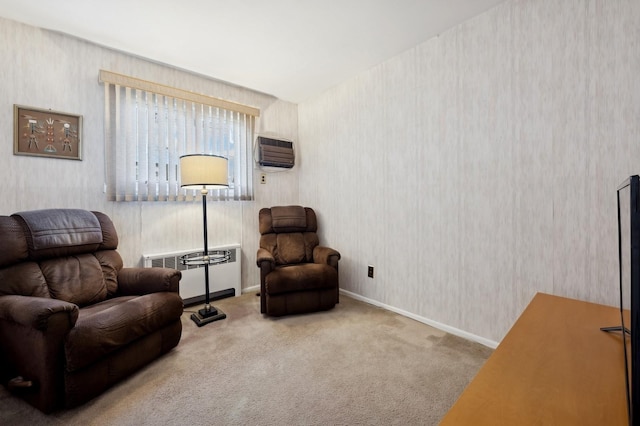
{"points": [[149, 126]]}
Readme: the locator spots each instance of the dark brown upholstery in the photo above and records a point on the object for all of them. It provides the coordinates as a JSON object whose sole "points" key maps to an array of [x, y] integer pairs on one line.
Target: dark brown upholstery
{"points": [[73, 321], [297, 275]]}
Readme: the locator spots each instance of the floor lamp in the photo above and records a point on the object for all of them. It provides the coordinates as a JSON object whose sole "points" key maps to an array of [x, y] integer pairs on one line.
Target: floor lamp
{"points": [[204, 172]]}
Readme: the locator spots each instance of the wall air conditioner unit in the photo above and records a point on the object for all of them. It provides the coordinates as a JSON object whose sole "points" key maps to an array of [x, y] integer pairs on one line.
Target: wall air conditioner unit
{"points": [[275, 153]]}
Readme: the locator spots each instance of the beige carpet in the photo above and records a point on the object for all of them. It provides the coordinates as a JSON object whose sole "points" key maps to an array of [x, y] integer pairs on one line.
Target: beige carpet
{"points": [[354, 365]]}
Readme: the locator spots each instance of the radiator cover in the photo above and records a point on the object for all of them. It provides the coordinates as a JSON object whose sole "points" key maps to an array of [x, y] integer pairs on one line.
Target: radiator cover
{"points": [[223, 277]]}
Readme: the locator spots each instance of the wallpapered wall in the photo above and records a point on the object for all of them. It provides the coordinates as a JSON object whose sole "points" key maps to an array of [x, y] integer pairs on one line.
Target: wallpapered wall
{"points": [[49, 70], [472, 171], [481, 166]]}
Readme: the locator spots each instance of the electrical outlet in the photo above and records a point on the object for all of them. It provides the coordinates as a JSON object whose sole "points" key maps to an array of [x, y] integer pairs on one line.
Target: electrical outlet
{"points": [[263, 178], [370, 271]]}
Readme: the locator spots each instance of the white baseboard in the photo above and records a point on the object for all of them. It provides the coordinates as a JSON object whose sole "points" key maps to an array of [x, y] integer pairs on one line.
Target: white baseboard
{"points": [[452, 330], [251, 289]]}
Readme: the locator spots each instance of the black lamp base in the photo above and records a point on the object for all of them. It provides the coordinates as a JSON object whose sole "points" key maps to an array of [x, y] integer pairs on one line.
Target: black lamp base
{"points": [[206, 316]]}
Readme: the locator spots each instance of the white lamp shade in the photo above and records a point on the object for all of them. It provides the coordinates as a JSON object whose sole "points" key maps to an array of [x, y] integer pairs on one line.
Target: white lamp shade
{"points": [[203, 171]]}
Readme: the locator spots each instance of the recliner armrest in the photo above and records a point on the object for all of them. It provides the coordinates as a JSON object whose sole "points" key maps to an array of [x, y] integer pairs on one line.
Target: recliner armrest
{"points": [[35, 312], [326, 255], [138, 281], [32, 331], [265, 256]]}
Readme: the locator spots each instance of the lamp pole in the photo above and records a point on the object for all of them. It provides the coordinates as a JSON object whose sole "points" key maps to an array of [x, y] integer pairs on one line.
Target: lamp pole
{"points": [[205, 253]]}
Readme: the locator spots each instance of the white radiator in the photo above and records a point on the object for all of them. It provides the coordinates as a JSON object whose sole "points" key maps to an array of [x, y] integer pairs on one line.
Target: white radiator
{"points": [[224, 278]]}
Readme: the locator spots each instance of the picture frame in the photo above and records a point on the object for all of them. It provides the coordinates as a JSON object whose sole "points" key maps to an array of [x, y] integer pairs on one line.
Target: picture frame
{"points": [[46, 133]]}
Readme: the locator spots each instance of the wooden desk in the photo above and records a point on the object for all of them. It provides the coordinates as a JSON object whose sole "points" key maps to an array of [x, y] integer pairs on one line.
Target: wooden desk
{"points": [[554, 367]]}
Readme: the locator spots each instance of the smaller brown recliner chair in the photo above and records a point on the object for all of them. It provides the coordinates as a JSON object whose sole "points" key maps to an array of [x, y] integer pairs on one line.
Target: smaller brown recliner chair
{"points": [[297, 275]]}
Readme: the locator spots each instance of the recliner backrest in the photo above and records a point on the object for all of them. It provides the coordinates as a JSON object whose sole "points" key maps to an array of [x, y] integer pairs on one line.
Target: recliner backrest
{"points": [[289, 233], [66, 254]]}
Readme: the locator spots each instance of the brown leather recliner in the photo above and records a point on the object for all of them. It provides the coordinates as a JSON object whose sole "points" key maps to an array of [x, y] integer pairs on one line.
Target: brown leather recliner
{"points": [[73, 321], [297, 275]]}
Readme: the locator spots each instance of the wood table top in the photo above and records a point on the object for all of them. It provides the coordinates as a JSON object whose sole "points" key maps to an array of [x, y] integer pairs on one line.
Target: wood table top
{"points": [[554, 367]]}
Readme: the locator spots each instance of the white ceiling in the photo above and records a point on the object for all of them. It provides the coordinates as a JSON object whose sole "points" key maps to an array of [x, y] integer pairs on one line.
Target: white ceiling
{"points": [[292, 49]]}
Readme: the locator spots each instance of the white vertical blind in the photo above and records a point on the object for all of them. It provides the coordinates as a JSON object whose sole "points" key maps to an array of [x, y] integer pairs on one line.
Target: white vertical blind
{"points": [[146, 132]]}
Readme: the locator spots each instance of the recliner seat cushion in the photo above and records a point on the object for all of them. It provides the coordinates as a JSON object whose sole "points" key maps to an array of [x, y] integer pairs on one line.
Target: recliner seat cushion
{"points": [[290, 248], [306, 276], [107, 326], [75, 279], [24, 279]]}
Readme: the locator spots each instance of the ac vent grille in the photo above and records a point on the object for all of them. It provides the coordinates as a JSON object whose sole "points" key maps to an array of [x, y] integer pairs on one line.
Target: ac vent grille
{"points": [[275, 153], [276, 142], [170, 262]]}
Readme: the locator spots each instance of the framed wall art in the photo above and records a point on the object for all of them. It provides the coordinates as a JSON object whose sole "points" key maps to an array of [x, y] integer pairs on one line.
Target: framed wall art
{"points": [[46, 133]]}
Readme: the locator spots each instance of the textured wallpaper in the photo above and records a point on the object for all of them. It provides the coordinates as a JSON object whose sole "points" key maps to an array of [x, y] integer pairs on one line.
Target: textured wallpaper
{"points": [[49, 70], [472, 171], [481, 166]]}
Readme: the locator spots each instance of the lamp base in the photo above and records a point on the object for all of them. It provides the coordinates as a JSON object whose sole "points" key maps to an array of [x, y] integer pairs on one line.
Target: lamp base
{"points": [[207, 315]]}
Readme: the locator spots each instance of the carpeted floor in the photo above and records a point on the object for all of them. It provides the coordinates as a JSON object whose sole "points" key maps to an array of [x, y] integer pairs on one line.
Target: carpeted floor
{"points": [[354, 365]]}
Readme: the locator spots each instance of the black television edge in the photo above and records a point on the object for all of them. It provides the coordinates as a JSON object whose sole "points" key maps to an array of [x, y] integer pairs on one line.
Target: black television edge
{"points": [[629, 280]]}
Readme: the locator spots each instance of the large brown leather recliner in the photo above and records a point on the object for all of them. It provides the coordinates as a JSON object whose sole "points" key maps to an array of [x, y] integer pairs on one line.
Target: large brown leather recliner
{"points": [[297, 275], [73, 321]]}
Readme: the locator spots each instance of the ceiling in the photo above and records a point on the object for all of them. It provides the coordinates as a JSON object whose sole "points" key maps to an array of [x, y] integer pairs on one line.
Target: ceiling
{"points": [[292, 49]]}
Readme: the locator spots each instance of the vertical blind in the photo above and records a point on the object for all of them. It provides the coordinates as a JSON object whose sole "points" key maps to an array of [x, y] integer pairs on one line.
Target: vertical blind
{"points": [[149, 126]]}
